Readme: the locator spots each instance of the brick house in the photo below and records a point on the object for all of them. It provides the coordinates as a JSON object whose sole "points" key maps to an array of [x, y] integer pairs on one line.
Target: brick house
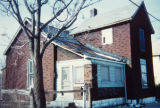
{"points": [[126, 32], [95, 54]]}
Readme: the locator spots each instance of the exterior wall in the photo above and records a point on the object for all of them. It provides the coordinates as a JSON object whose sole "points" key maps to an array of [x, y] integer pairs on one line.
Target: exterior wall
{"points": [[121, 40], [126, 43], [16, 64], [63, 55], [156, 64], [141, 21], [100, 93], [16, 70]]}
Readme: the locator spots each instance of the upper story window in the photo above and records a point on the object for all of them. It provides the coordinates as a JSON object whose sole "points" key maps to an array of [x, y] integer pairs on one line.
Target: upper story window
{"points": [[30, 74], [110, 76], [107, 36], [141, 40], [143, 66]]}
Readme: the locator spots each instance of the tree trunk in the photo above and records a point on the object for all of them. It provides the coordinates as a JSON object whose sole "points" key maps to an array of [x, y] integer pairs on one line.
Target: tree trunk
{"points": [[38, 83]]}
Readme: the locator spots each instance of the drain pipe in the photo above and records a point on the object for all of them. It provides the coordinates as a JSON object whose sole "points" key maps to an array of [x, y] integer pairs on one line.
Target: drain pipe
{"points": [[124, 74]]}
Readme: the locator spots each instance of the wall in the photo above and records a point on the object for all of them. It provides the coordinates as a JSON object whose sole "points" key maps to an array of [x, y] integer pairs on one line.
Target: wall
{"points": [[141, 21], [156, 64], [121, 40], [16, 68]]}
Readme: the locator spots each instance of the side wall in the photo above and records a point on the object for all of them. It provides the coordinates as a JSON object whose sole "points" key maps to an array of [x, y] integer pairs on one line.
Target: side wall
{"points": [[16, 62], [141, 21], [121, 40]]}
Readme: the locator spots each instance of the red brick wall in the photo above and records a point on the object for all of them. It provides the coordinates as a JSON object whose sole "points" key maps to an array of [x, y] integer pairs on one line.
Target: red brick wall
{"points": [[48, 70], [121, 40], [63, 54], [16, 63], [16, 70]]}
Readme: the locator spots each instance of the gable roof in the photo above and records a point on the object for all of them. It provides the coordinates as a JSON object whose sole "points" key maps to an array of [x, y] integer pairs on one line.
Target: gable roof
{"points": [[116, 16]]}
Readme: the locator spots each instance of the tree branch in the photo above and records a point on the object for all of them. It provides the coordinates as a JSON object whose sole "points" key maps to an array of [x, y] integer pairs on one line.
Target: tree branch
{"points": [[55, 16]]}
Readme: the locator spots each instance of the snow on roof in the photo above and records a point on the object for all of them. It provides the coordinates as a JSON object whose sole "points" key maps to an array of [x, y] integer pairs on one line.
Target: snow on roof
{"points": [[155, 47], [109, 18]]}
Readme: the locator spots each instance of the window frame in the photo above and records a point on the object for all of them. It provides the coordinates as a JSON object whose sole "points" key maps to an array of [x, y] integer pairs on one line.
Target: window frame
{"points": [[112, 82], [74, 75], [144, 63], [142, 44], [107, 33], [30, 75]]}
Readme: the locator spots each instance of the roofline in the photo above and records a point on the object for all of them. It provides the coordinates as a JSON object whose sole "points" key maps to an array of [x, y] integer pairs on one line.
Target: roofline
{"points": [[14, 37], [145, 10], [83, 56], [44, 35], [95, 58], [120, 21], [107, 25]]}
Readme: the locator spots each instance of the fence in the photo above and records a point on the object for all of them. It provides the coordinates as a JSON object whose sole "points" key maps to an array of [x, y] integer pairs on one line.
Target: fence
{"points": [[23, 99]]}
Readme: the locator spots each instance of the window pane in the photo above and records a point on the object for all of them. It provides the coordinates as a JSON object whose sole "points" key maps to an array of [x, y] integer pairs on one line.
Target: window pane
{"points": [[65, 78], [105, 74], [79, 74], [141, 40], [143, 72], [118, 74]]}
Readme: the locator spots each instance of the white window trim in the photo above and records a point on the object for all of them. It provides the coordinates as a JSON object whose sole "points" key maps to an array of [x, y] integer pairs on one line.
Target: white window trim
{"points": [[29, 86], [107, 34]]}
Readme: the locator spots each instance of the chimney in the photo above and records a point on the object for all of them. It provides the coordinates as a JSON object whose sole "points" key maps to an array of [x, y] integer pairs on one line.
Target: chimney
{"points": [[93, 12]]}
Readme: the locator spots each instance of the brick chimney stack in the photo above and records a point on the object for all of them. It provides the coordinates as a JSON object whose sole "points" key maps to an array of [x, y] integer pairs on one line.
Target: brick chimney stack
{"points": [[93, 12]]}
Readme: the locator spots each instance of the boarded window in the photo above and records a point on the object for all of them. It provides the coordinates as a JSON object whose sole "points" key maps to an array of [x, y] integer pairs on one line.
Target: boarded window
{"points": [[143, 73], [107, 36], [78, 74], [141, 40]]}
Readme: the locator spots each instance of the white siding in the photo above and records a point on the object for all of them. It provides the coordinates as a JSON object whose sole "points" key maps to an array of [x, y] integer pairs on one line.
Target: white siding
{"points": [[156, 67]]}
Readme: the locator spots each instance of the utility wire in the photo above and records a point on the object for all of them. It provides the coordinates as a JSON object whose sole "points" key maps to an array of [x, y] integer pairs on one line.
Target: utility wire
{"points": [[145, 11]]}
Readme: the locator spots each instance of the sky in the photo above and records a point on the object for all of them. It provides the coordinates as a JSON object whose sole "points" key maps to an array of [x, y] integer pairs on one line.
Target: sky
{"points": [[9, 26]]}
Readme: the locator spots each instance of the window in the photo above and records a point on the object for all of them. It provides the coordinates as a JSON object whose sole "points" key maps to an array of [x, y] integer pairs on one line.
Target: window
{"points": [[78, 74], [105, 74], [141, 40], [30, 74], [118, 74], [143, 73], [110, 76], [65, 81], [107, 37]]}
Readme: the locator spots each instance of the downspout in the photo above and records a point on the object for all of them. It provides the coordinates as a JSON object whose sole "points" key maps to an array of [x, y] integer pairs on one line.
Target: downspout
{"points": [[124, 74]]}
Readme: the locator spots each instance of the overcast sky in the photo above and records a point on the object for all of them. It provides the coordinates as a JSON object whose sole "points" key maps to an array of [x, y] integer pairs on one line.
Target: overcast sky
{"points": [[9, 26]]}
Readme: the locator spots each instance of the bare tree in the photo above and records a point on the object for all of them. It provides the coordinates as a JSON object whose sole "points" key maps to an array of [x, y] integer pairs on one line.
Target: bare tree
{"points": [[64, 13]]}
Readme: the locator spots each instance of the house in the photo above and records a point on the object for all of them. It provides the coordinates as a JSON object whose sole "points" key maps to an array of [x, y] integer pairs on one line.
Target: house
{"points": [[113, 56], [156, 61], [126, 32]]}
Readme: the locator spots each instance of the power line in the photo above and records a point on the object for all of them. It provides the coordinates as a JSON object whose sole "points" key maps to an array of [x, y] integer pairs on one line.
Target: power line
{"points": [[145, 11]]}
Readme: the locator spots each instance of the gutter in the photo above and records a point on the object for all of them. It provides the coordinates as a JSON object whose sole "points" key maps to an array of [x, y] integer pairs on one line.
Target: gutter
{"points": [[103, 60]]}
